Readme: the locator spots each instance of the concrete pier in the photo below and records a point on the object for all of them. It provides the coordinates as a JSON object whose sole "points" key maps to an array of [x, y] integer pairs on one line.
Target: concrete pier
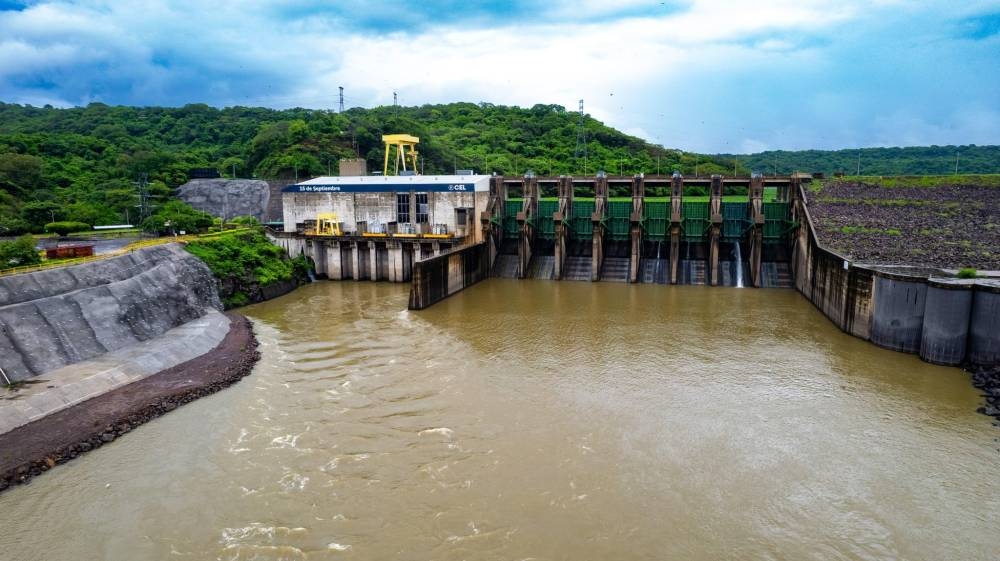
{"points": [[715, 211], [945, 330], [984, 324]]}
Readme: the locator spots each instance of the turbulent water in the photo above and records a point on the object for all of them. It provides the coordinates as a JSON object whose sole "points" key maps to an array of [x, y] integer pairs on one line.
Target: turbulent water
{"points": [[540, 420]]}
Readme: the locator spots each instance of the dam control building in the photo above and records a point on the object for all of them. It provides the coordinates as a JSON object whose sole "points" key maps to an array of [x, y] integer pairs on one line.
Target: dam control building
{"points": [[374, 227]]}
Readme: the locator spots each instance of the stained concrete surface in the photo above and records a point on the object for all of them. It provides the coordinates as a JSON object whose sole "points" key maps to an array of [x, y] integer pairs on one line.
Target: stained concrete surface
{"points": [[63, 387], [53, 318]]}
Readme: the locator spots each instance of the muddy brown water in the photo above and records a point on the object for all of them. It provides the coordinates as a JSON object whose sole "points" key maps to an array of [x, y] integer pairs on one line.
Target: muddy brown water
{"points": [[540, 420]]}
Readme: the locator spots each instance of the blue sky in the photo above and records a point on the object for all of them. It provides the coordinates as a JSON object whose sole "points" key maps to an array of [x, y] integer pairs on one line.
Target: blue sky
{"points": [[709, 76]]}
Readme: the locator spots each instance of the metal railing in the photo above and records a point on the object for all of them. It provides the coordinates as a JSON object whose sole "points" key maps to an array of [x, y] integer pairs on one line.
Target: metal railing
{"points": [[116, 253]]}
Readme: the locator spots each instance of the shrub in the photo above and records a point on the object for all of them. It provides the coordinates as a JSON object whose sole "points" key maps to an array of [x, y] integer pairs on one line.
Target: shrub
{"points": [[244, 262], [65, 228], [19, 252], [967, 273]]}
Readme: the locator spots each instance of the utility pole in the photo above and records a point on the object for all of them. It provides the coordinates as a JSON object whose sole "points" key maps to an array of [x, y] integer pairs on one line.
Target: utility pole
{"points": [[234, 171], [341, 99], [859, 162], [956, 162]]}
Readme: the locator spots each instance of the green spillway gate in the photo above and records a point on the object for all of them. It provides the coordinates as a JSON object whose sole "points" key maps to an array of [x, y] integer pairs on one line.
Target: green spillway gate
{"points": [[656, 219], [775, 221], [618, 219], [510, 210], [545, 227], [694, 219], [735, 219], [580, 225]]}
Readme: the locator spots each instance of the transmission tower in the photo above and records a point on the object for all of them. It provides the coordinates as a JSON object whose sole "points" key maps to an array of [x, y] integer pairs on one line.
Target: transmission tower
{"points": [[341, 99], [142, 191], [581, 141]]}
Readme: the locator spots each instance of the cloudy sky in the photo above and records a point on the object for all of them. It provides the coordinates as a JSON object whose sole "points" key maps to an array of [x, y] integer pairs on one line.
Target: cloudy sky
{"points": [[703, 75]]}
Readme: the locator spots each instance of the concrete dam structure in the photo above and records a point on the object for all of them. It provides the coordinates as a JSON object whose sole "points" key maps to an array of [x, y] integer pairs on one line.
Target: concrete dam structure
{"points": [[542, 228], [56, 317], [753, 231]]}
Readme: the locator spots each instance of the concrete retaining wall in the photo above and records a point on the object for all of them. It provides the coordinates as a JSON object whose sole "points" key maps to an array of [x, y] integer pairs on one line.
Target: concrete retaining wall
{"points": [[945, 321], [436, 278], [57, 317]]}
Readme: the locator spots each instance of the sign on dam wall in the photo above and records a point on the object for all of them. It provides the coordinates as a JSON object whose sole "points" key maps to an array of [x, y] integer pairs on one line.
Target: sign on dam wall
{"points": [[56, 317]]}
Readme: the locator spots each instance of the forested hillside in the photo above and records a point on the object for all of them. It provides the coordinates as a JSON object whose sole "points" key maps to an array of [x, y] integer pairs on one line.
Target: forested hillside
{"points": [[918, 160], [84, 164]]}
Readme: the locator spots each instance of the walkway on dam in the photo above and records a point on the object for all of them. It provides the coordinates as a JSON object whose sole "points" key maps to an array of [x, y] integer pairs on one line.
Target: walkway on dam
{"points": [[67, 386]]}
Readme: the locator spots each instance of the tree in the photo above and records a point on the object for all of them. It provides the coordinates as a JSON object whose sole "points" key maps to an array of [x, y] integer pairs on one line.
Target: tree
{"points": [[19, 252], [176, 216], [39, 213], [66, 228]]}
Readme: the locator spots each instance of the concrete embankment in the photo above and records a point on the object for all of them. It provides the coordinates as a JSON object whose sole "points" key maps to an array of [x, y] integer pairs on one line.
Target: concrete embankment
{"points": [[97, 349], [56, 317], [36, 447], [944, 320]]}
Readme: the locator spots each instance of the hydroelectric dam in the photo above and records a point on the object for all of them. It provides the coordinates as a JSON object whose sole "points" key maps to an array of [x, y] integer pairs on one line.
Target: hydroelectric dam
{"points": [[738, 232]]}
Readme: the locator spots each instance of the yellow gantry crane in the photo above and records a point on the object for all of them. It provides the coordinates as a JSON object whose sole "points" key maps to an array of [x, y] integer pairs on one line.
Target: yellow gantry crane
{"points": [[327, 224], [406, 150]]}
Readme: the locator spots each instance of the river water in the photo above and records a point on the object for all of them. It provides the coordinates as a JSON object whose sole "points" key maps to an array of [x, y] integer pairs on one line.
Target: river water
{"points": [[540, 420]]}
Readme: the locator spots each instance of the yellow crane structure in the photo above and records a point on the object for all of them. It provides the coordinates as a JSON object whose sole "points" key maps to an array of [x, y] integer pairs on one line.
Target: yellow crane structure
{"points": [[327, 224], [406, 150]]}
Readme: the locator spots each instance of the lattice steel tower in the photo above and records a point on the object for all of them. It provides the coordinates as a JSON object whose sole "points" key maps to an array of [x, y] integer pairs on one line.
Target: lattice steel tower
{"points": [[581, 141]]}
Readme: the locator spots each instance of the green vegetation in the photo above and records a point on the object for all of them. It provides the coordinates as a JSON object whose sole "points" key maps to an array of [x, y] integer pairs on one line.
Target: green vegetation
{"points": [[983, 180], [864, 230], [912, 161], [66, 227], [104, 165], [19, 252], [245, 263], [175, 217], [967, 273]]}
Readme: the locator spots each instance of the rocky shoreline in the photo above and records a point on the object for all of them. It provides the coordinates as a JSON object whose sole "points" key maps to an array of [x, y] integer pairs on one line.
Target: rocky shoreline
{"points": [[988, 380], [37, 447]]}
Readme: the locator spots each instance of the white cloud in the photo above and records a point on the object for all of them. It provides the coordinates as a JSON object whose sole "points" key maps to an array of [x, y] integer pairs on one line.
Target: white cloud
{"points": [[708, 75]]}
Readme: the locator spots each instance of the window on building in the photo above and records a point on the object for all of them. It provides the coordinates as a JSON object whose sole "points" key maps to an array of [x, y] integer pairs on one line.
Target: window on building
{"points": [[422, 208], [402, 208]]}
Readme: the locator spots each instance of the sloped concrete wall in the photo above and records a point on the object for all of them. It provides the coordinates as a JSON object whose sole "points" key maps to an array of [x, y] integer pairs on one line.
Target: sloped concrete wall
{"points": [[57, 317]]}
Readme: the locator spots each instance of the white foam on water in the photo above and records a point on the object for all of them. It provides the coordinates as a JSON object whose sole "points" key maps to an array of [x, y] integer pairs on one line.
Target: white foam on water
{"points": [[443, 431], [287, 441], [338, 546]]}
